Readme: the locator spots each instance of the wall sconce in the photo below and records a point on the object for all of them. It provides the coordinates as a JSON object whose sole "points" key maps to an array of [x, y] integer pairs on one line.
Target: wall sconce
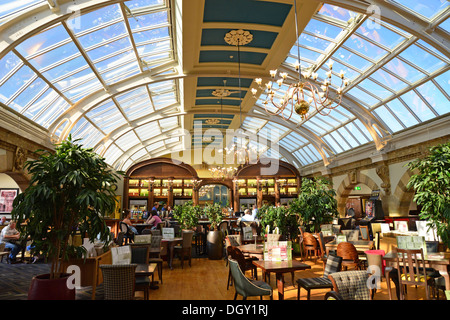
{"points": [[196, 184]]}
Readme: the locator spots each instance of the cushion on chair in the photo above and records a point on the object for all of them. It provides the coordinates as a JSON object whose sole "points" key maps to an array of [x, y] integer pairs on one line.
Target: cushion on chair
{"points": [[333, 265], [352, 285], [314, 283]]}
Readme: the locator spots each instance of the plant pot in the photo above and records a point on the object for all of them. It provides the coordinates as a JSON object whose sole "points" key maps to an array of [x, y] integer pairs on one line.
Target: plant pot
{"points": [[214, 244], [44, 288]]}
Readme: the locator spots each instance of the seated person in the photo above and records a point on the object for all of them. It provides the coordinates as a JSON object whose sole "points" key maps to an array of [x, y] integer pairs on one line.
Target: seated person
{"points": [[247, 216], [3, 221], [127, 220], [10, 237], [153, 220]]}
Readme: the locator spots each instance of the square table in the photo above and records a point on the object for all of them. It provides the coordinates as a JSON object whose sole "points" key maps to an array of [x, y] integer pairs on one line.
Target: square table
{"points": [[280, 267]]}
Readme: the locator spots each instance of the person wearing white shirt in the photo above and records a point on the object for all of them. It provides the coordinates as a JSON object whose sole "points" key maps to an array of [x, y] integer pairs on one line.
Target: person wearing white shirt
{"points": [[247, 216]]}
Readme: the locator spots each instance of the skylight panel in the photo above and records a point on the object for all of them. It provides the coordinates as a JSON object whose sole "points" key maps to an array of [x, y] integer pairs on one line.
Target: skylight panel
{"points": [[417, 106], [127, 140], [43, 41], [337, 12], [426, 8], [402, 113], [8, 64], [388, 118], [336, 147], [389, 80], [421, 58], [148, 20], [148, 130], [380, 34], [16, 83], [302, 158], [168, 123], [138, 4], [315, 26], [359, 131], [152, 35], [34, 89], [348, 137], [404, 70], [53, 111], [115, 61], [352, 59], [94, 19], [55, 56], [154, 146], [365, 48], [107, 117], [110, 48], [120, 73], [434, 97], [88, 134], [375, 89], [366, 99], [40, 103], [136, 156], [112, 154]]}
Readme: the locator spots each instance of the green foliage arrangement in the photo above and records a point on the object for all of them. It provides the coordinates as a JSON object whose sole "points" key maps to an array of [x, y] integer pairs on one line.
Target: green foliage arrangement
{"points": [[283, 218], [71, 190], [214, 213], [187, 215], [432, 187], [316, 203]]}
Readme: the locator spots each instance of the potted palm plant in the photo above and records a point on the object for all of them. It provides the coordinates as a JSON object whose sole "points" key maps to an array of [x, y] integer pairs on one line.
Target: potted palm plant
{"points": [[432, 187], [70, 192], [214, 238]]}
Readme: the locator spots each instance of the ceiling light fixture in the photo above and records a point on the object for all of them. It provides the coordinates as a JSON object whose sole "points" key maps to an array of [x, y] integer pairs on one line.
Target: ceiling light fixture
{"points": [[302, 94]]}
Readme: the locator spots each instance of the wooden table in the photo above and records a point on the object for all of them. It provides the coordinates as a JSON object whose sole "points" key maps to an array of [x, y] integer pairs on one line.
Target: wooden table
{"points": [[280, 267], [439, 261], [170, 243], [360, 245], [141, 226]]}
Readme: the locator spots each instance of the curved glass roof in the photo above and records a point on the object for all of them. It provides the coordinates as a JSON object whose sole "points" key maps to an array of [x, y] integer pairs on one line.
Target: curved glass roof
{"points": [[110, 77], [399, 78]]}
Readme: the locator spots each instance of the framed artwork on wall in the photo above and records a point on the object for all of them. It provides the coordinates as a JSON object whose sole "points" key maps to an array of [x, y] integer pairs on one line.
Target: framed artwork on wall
{"points": [[7, 196]]}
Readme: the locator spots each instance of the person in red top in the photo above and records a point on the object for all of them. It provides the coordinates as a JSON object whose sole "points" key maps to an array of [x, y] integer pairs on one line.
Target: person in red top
{"points": [[153, 219]]}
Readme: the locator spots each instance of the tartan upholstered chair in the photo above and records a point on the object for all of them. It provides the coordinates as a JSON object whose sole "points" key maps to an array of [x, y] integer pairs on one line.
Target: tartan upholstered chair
{"points": [[118, 281], [349, 285], [332, 265]]}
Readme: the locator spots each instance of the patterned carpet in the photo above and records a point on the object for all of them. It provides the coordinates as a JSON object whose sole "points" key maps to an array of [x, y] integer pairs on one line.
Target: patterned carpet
{"points": [[16, 278]]}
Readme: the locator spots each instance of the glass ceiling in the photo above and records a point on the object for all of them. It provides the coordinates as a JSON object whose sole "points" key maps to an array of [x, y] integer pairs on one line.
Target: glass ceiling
{"points": [[44, 76], [397, 77]]}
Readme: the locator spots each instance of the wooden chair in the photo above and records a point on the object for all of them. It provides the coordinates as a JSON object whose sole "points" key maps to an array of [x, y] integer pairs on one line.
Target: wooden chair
{"points": [[349, 285], [118, 281], [310, 244], [184, 250], [323, 252], [349, 254], [411, 270], [245, 286]]}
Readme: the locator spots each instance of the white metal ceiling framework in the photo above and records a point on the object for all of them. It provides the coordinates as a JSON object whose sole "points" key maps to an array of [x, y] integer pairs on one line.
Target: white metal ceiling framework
{"points": [[108, 74]]}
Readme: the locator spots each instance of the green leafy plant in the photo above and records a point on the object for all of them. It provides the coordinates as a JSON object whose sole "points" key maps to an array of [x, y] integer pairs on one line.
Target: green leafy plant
{"points": [[316, 203], [432, 187], [187, 215], [283, 218], [71, 190], [214, 213]]}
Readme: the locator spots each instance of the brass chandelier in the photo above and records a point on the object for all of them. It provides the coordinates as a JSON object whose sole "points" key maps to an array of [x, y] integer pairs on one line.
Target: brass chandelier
{"points": [[301, 95]]}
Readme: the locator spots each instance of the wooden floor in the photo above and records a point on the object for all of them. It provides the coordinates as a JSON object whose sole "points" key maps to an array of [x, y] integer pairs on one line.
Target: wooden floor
{"points": [[207, 280]]}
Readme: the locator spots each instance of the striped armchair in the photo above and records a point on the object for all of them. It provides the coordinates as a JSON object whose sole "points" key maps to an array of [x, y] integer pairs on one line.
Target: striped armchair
{"points": [[118, 281]]}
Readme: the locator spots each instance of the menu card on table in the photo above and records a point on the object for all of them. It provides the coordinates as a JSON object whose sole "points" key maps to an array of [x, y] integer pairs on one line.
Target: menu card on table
{"points": [[121, 255], [168, 233], [142, 238], [278, 251], [248, 233]]}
